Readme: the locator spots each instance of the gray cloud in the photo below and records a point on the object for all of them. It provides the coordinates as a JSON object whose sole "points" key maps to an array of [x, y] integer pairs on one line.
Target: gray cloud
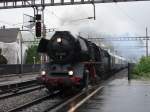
{"points": [[112, 20]]}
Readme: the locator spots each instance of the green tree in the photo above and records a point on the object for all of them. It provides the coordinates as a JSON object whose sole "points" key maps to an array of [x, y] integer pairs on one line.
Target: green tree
{"points": [[32, 54]]}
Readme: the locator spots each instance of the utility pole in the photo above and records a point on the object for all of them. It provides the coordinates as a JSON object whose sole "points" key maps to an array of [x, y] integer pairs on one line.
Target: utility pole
{"points": [[146, 43], [94, 11]]}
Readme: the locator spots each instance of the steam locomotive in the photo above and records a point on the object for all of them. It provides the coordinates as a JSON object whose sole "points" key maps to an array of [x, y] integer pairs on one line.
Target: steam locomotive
{"points": [[75, 62]]}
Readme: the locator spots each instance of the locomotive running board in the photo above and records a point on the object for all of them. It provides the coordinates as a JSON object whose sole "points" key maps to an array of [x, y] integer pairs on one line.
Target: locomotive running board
{"points": [[91, 62]]}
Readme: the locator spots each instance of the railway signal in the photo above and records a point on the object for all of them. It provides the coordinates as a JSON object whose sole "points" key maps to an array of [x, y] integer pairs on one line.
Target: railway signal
{"points": [[38, 29], [38, 25]]}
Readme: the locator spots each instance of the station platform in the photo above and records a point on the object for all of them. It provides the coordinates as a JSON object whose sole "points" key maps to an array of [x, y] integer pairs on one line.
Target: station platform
{"points": [[120, 95]]}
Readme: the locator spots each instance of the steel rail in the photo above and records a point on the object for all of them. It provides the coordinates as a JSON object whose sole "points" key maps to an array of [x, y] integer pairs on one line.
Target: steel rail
{"points": [[55, 105], [64, 107], [27, 90], [65, 104], [13, 75], [28, 104], [9, 86], [79, 98], [17, 89]]}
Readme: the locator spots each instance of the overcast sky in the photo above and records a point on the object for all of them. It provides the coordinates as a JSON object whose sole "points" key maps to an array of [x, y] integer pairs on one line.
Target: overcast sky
{"points": [[117, 19], [111, 18]]}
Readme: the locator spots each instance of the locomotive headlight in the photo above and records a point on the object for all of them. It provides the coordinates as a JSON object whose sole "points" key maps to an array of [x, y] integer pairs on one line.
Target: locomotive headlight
{"points": [[59, 40], [43, 72], [70, 72]]}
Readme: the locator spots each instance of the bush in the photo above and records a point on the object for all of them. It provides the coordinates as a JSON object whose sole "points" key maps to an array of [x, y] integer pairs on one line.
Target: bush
{"points": [[143, 67]]}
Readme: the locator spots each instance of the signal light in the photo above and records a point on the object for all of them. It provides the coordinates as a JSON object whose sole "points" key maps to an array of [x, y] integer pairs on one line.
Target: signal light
{"points": [[38, 17], [38, 29]]}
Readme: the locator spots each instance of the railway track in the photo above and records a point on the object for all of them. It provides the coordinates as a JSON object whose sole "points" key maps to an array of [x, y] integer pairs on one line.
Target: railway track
{"points": [[75, 102], [36, 101], [20, 92], [69, 104], [28, 104], [61, 105], [13, 86], [19, 75], [16, 89]]}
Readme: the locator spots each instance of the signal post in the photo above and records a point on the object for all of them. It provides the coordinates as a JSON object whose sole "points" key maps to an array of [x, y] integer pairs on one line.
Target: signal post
{"points": [[40, 30]]}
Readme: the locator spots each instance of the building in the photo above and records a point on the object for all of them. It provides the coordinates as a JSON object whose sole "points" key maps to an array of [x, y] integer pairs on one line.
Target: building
{"points": [[10, 43]]}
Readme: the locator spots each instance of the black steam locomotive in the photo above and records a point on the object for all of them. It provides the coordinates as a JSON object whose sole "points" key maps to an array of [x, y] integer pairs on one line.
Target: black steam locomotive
{"points": [[75, 62]]}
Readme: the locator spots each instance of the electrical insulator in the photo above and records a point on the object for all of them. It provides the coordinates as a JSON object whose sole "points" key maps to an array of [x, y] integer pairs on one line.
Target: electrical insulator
{"points": [[38, 29]]}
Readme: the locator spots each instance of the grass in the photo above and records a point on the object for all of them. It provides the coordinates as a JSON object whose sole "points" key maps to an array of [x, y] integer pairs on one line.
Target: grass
{"points": [[142, 76]]}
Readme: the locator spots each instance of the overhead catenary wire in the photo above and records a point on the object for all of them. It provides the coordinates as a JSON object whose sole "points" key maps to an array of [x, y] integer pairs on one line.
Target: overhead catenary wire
{"points": [[141, 26]]}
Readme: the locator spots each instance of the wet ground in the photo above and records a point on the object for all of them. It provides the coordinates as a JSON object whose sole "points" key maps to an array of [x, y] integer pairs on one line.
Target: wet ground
{"points": [[120, 95]]}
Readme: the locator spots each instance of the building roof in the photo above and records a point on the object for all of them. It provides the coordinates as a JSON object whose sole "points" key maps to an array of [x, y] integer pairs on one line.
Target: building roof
{"points": [[9, 35]]}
